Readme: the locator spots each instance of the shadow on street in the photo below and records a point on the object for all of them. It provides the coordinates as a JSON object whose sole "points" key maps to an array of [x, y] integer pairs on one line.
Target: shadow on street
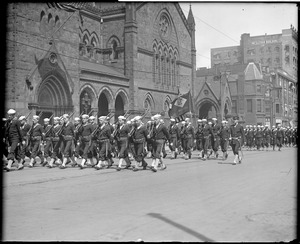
{"points": [[181, 227]]}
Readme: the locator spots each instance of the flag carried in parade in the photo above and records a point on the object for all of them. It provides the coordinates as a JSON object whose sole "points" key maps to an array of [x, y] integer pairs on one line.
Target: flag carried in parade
{"points": [[69, 6], [181, 105]]}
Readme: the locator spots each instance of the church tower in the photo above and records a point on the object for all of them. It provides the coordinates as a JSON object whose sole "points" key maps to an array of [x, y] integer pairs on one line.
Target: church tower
{"points": [[191, 24]]}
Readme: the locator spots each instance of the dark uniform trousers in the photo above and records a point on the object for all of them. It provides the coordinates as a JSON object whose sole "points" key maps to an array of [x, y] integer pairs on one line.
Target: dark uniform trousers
{"points": [[24, 149], [258, 140], [14, 138], [267, 138], [206, 138], [57, 144], [35, 141], [189, 140], [161, 134], [174, 136], [68, 140], [47, 147], [103, 139], [279, 138], [224, 139], [215, 139], [237, 138], [123, 147], [139, 141]]}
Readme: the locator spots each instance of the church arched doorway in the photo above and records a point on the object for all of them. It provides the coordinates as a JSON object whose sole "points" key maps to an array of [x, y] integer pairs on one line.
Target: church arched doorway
{"points": [[119, 107], [102, 105], [53, 97], [207, 110]]}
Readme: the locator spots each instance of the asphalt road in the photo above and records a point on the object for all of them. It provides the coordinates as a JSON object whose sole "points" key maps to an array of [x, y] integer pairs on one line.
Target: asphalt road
{"points": [[192, 200]]}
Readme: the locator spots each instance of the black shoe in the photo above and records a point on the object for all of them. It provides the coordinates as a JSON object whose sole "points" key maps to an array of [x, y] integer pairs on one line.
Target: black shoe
{"points": [[165, 155], [98, 167], [118, 168], [145, 166], [153, 169], [7, 169], [82, 166], [135, 169], [20, 167], [62, 167], [127, 166], [226, 155], [44, 163]]}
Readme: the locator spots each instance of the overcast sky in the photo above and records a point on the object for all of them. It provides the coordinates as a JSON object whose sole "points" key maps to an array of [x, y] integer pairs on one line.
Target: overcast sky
{"points": [[222, 24]]}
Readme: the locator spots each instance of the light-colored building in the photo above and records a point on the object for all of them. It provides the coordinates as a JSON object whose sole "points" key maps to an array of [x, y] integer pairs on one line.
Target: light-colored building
{"points": [[271, 51]]}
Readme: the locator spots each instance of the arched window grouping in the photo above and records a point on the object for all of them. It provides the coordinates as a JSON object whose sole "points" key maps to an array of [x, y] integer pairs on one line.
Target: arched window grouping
{"points": [[164, 65], [89, 43]]}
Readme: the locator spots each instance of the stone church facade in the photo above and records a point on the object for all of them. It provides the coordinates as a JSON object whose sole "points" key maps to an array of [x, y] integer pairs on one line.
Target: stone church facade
{"points": [[108, 57]]}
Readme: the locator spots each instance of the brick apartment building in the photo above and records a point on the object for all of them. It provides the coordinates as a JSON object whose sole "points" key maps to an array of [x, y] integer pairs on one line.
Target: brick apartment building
{"points": [[262, 77]]}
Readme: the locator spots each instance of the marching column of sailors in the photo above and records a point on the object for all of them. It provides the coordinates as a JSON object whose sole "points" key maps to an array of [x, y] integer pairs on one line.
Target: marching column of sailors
{"points": [[130, 140]]}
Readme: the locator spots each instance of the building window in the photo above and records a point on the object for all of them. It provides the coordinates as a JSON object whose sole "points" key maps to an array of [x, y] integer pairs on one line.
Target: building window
{"points": [[287, 48], [277, 108], [249, 105], [258, 106], [277, 49], [258, 88], [267, 107], [234, 108]]}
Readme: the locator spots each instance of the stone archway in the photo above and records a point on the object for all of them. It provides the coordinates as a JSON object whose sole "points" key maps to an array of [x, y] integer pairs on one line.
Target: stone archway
{"points": [[119, 107], [103, 105], [53, 96], [207, 110]]}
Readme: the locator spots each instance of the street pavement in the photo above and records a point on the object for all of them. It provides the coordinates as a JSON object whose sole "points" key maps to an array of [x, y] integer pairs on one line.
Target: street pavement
{"points": [[192, 200]]}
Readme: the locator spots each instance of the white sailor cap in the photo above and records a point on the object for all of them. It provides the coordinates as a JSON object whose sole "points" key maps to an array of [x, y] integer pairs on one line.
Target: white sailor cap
{"points": [[187, 120], [46, 120], [85, 116], [128, 122], [56, 118], [4, 119], [204, 120], [66, 116], [36, 117], [273, 126], [122, 117], [77, 119], [224, 121], [199, 120], [11, 111], [157, 116], [22, 117], [172, 120], [214, 119], [137, 118], [209, 122], [183, 122], [101, 118], [93, 117]]}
